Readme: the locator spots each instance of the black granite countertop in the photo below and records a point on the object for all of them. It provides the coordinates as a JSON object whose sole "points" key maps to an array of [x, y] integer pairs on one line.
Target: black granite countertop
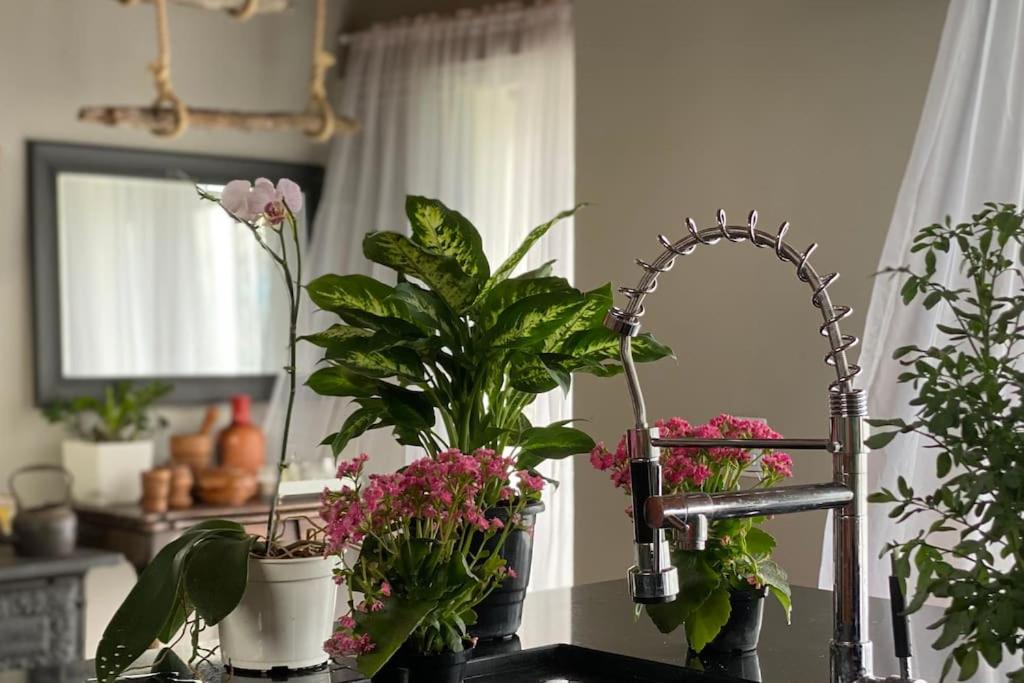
{"points": [[600, 616]]}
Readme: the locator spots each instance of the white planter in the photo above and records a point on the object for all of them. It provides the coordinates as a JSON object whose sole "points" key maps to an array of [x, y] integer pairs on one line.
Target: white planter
{"points": [[107, 473], [285, 616]]}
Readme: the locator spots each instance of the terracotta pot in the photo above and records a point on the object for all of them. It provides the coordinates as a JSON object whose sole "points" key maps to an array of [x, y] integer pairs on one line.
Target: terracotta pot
{"points": [[242, 445], [156, 490]]}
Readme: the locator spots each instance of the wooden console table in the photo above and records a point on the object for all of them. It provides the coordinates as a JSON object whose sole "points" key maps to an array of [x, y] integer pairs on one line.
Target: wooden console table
{"points": [[42, 605], [140, 535]]}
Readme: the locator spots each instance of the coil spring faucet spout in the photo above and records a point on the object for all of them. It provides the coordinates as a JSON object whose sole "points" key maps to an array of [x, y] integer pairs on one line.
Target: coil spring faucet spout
{"points": [[653, 579]]}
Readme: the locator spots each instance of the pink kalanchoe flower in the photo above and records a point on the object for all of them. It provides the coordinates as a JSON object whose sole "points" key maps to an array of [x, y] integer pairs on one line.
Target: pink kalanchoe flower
{"points": [[512, 573], [347, 621], [385, 589], [530, 482], [779, 464]]}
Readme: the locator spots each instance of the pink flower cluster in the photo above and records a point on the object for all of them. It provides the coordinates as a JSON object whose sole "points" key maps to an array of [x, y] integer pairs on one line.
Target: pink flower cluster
{"points": [[702, 469], [453, 488], [345, 642]]}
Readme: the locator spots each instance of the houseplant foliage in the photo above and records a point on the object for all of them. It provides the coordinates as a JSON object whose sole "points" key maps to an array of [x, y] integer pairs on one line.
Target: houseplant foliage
{"points": [[460, 340], [969, 410], [738, 552], [123, 414], [414, 548], [197, 580]]}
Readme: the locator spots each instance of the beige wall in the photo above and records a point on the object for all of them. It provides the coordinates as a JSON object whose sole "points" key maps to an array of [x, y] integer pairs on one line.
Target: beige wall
{"points": [[58, 55], [805, 110]]}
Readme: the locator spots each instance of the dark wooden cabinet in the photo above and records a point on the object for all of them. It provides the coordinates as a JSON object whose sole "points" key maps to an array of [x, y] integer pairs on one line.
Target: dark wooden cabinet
{"points": [[140, 535]]}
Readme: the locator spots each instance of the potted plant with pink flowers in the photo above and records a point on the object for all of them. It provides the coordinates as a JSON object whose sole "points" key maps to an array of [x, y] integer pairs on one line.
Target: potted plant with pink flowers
{"points": [[721, 588], [418, 552], [274, 602]]}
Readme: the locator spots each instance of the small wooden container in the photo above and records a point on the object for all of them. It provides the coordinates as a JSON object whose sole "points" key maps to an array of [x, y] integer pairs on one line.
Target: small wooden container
{"points": [[195, 450], [156, 490], [227, 486], [181, 487]]}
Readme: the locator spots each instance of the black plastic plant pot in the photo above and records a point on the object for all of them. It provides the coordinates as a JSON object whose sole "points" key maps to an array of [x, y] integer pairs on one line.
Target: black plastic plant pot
{"points": [[501, 613], [742, 631], [409, 667]]}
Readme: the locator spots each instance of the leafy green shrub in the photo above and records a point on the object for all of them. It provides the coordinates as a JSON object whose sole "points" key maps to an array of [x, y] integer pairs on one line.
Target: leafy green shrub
{"points": [[123, 414]]}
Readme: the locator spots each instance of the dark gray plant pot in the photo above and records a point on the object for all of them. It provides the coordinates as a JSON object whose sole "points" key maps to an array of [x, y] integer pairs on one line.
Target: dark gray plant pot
{"points": [[409, 667], [501, 613], [742, 631]]}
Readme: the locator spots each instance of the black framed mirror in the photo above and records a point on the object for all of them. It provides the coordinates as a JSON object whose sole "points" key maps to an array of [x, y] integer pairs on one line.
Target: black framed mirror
{"points": [[135, 278]]}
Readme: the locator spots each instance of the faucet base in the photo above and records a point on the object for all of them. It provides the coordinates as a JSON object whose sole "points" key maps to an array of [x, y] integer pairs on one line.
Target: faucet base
{"points": [[850, 662]]}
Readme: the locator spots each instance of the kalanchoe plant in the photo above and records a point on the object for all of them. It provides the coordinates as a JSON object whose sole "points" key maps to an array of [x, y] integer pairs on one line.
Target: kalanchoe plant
{"points": [[197, 580], [969, 410], [460, 340], [123, 414], [738, 552], [420, 550]]}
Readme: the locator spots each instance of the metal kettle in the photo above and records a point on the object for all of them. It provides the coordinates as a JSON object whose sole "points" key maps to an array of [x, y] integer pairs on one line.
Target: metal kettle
{"points": [[49, 530]]}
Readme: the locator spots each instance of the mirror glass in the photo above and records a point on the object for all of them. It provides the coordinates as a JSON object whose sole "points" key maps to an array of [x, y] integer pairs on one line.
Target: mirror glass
{"points": [[155, 282]]}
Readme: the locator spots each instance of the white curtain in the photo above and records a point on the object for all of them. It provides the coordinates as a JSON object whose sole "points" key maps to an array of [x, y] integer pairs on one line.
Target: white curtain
{"points": [[968, 151], [478, 111], [154, 282]]}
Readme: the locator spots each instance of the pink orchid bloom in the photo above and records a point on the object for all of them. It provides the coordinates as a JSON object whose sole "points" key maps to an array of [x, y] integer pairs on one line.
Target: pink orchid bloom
{"points": [[252, 201]]}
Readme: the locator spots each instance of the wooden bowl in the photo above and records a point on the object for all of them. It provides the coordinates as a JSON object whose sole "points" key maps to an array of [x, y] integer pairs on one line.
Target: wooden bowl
{"points": [[194, 450], [226, 486]]}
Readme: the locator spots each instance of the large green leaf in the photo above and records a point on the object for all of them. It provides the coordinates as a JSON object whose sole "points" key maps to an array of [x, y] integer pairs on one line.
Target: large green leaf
{"points": [[153, 602], [532, 320], [704, 622], [431, 312], [600, 343], [356, 292], [506, 268], [334, 334], [373, 358], [553, 442], [389, 629], [488, 308], [537, 374], [587, 317], [778, 583], [444, 231], [440, 273], [358, 423], [759, 542], [411, 409], [335, 381], [697, 580], [216, 573]]}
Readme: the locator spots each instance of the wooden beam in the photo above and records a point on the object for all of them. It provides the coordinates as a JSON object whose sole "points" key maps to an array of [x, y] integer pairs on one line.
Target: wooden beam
{"points": [[162, 120], [262, 7]]}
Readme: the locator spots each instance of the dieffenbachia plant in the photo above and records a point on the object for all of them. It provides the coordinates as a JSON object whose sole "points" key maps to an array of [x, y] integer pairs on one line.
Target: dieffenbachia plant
{"points": [[458, 340]]}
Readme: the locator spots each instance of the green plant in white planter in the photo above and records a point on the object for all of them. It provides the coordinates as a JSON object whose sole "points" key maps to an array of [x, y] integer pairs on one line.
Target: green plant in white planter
{"points": [[452, 356], [111, 444], [969, 409], [273, 602]]}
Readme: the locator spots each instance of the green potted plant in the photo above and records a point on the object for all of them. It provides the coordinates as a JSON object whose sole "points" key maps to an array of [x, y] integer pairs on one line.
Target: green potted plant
{"points": [[969, 412], [421, 553], [458, 342], [273, 602], [721, 588], [111, 441]]}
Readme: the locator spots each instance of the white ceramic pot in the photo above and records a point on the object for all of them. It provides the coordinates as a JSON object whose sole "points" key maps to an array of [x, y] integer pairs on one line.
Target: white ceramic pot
{"points": [[107, 473], [285, 616]]}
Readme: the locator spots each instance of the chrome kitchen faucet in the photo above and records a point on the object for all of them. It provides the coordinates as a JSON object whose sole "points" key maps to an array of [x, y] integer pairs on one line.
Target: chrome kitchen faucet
{"points": [[653, 579]]}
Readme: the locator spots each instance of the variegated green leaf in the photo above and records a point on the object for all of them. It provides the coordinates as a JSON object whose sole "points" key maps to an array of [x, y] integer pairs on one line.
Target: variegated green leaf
{"points": [[358, 423], [588, 316], [530, 373], [544, 270], [335, 333], [357, 293], [487, 309], [371, 358], [600, 344], [428, 308], [551, 443], [444, 231], [440, 273], [334, 381], [505, 269], [532, 320]]}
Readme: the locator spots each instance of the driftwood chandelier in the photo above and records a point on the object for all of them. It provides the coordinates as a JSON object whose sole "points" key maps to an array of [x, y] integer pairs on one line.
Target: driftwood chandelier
{"points": [[168, 116]]}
